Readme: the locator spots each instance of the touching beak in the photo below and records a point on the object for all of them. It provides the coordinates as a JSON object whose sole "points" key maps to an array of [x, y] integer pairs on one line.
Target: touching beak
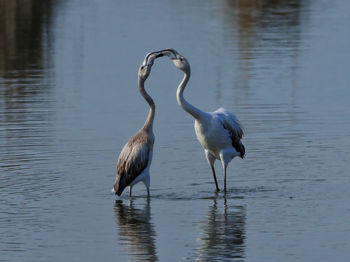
{"points": [[171, 53], [150, 57]]}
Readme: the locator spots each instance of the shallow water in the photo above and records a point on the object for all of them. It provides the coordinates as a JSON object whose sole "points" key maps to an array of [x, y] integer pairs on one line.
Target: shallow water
{"points": [[69, 102]]}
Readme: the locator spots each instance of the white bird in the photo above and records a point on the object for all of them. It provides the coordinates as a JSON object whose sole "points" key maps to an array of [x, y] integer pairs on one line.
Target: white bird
{"points": [[218, 132], [136, 156]]}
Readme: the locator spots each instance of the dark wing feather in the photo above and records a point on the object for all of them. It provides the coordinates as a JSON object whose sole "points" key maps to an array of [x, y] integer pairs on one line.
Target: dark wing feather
{"points": [[232, 124], [133, 160], [236, 139]]}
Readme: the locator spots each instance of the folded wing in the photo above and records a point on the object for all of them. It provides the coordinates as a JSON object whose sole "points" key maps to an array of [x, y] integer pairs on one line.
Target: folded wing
{"points": [[133, 160], [232, 124]]}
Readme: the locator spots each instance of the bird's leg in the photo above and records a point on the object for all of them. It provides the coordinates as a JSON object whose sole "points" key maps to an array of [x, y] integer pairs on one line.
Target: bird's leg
{"points": [[216, 182], [211, 160], [147, 181], [130, 188], [224, 166], [225, 179]]}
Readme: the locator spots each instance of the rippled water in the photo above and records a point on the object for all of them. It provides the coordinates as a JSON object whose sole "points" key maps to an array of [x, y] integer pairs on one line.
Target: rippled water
{"points": [[69, 102]]}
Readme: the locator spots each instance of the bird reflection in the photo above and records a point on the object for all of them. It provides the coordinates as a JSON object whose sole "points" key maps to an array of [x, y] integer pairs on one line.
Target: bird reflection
{"points": [[223, 234], [136, 231]]}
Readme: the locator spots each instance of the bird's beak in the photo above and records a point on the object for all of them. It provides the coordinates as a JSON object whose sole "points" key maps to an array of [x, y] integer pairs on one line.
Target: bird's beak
{"points": [[171, 53], [150, 57]]}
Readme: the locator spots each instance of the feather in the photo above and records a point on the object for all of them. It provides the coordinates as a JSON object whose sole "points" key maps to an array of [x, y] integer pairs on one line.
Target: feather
{"points": [[133, 160], [232, 124]]}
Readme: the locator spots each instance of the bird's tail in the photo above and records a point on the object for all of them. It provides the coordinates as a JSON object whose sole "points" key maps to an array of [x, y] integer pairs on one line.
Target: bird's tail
{"points": [[241, 149], [237, 144], [119, 186]]}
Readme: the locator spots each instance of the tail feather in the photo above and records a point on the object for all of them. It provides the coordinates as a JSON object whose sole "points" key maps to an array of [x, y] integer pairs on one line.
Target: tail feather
{"points": [[237, 144], [242, 150], [119, 186]]}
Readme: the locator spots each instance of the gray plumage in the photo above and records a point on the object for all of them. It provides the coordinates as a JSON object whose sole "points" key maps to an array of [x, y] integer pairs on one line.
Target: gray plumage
{"points": [[136, 156], [133, 160]]}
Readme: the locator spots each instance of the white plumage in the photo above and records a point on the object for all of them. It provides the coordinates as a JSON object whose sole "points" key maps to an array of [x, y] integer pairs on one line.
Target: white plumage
{"points": [[218, 132]]}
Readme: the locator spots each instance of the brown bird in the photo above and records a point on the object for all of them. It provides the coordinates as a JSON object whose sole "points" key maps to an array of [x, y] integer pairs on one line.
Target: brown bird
{"points": [[136, 156]]}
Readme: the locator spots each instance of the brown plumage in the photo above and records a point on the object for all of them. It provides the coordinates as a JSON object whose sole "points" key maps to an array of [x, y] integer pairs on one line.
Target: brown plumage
{"points": [[136, 156], [133, 160]]}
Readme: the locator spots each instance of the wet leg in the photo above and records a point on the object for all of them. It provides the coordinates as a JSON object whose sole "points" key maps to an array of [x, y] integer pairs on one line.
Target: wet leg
{"points": [[225, 179], [211, 160], [214, 175]]}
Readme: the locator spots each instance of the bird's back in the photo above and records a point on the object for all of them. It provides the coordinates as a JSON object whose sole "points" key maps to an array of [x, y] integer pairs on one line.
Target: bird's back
{"points": [[221, 130], [231, 123], [133, 160], [230, 119]]}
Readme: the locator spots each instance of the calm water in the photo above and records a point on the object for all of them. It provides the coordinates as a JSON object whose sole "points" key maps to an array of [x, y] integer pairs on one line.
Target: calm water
{"points": [[69, 102]]}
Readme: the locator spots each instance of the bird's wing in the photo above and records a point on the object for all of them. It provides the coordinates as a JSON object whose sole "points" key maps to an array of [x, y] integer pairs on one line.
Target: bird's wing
{"points": [[232, 124], [231, 121], [133, 159]]}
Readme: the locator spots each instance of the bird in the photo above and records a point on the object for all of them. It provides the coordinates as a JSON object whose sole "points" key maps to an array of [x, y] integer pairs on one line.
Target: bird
{"points": [[219, 132], [135, 158]]}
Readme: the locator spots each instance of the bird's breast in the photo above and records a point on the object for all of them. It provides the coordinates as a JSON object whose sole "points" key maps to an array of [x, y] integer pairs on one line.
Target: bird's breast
{"points": [[212, 137]]}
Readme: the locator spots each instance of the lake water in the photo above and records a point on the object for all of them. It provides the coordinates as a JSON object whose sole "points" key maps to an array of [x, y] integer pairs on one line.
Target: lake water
{"points": [[69, 102]]}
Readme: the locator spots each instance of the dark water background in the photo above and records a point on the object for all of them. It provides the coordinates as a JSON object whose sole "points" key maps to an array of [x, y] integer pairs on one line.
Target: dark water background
{"points": [[69, 102]]}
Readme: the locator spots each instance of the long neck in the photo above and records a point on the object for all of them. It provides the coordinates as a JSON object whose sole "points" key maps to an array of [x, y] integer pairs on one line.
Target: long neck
{"points": [[149, 121], [194, 111]]}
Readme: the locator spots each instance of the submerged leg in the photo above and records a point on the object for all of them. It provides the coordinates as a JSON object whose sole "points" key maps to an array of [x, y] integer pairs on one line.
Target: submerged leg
{"points": [[211, 160], [148, 195]]}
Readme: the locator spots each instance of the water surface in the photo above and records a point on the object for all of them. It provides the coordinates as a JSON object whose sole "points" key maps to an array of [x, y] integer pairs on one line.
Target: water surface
{"points": [[69, 102]]}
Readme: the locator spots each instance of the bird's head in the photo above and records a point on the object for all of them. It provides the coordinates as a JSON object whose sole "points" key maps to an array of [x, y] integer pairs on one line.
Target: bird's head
{"points": [[144, 71], [145, 68], [179, 61]]}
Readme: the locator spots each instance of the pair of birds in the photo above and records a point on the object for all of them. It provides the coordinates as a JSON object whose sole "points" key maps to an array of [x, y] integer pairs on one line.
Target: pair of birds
{"points": [[218, 132]]}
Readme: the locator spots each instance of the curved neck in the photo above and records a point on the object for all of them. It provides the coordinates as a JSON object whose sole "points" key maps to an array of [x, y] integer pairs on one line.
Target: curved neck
{"points": [[194, 111], [149, 121]]}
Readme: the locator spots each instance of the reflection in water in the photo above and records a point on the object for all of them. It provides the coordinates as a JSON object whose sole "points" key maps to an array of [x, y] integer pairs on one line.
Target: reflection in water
{"points": [[57, 139], [26, 177], [24, 86], [24, 37], [136, 231], [223, 234], [24, 62], [263, 25], [266, 30]]}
